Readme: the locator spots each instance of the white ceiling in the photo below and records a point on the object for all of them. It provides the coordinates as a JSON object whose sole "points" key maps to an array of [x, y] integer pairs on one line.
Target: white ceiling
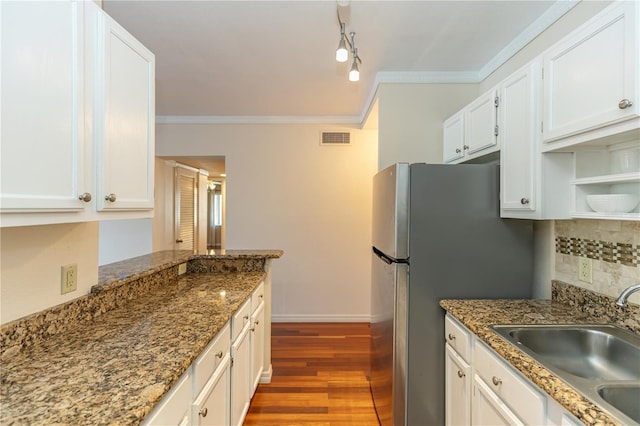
{"points": [[248, 60]]}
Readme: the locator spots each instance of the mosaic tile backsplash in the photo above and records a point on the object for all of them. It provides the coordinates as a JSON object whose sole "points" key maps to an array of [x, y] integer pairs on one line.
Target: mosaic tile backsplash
{"points": [[613, 246]]}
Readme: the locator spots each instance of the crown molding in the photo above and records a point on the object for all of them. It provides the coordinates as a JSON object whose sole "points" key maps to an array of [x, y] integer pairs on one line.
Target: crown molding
{"points": [[536, 28], [258, 119]]}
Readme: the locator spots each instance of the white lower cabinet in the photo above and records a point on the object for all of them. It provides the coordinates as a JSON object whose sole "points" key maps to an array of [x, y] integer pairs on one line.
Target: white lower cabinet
{"points": [[240, 376], [217, 388], [458, 389], [481, 388], [211, 408], [488, 408], [174, 407]]}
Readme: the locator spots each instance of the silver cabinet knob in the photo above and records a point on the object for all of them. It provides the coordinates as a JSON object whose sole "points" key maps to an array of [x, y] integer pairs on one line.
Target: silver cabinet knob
{"points": [[496, 380], [457, 150], [203, 412], [460, 374], [219, 354], [257, 322], [466, 147], [624, 104], [524, 201], [86, 197], [111, 197], [451, 336], [246, 317]]}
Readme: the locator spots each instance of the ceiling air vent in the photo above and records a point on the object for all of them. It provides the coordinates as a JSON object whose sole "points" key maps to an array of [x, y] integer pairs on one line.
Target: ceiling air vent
{"points": [[335, 138]]}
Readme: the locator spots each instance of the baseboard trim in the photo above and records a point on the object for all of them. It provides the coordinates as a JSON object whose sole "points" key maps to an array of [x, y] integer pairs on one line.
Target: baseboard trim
{"points": [[320, 318], [265, 377]]}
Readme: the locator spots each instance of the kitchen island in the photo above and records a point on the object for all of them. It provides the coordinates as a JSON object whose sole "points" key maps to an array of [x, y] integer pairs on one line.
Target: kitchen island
{"points": [[569, 305], [109, 357]]}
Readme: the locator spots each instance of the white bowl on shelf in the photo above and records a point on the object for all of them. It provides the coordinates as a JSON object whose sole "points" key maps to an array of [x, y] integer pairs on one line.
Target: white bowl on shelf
{"points": [[613, 203]]}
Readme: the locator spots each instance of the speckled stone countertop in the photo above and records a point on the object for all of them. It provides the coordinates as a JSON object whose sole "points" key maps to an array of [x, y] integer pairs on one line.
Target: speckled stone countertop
{"points": [[108, 357], [478, 315], [114, 369]]}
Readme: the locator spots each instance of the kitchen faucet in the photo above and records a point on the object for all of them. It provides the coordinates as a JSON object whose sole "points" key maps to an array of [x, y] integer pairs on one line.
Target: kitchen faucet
{"points": [[622, 299]]}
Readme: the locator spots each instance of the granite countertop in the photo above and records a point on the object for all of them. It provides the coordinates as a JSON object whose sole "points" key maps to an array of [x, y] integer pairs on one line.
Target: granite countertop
{"points": [[478, 315], [115, 368]]}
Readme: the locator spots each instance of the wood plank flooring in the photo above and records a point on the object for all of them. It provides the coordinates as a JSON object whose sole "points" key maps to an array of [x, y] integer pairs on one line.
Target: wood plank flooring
{"points": [[319, 377]]}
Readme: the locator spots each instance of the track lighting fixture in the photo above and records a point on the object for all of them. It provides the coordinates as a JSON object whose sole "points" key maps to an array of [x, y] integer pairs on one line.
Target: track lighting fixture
{"points": [[342, 53]]}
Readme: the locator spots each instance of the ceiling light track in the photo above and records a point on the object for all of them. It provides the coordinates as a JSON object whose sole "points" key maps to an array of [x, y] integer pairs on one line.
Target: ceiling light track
{"points": [[342, 53]]}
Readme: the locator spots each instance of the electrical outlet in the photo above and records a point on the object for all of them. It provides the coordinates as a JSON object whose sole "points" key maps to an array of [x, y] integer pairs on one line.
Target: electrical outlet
{"points": [[69, 278], [585, 272], [182, 268]]}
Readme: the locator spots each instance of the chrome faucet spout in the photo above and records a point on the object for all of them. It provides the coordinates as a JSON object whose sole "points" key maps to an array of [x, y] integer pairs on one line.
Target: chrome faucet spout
{"points": [[622, 299]]}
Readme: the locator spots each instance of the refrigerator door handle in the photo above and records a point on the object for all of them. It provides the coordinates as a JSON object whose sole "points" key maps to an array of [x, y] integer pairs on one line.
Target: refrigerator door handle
{"points": [[388, 259]]}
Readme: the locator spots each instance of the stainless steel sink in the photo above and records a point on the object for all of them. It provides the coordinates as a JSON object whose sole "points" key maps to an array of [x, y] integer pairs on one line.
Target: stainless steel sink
{"points": [[625, 398], [600, 361]]}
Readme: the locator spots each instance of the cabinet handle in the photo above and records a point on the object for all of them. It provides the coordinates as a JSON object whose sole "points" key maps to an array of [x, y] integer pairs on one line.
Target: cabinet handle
{"points": [[452, 336], [257, 322], [466, 147], [111, 197], [261, 296], [203, 412], [178, 241], [524, 201], [246, 317], [624, 104], [86, 197], [457, 150], [496, 381], [219, 354], [460, 374]]}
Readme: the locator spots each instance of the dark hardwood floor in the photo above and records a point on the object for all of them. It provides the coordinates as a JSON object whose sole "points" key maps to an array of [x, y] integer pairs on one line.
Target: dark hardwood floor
{"points": [[319, 377]]}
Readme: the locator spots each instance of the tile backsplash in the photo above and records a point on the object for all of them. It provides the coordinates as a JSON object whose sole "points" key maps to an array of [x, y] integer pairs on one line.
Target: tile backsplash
{"points": [[613, 246]]}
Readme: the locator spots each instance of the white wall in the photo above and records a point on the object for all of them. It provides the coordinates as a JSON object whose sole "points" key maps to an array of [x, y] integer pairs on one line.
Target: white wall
{"points": [[410, 120], [123, 239], [31, 258], [285, 191]]}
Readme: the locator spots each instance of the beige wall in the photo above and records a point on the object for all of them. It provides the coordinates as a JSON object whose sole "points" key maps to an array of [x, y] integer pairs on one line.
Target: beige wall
{"points": [[410, 120], [31, 258], [285, 191]]}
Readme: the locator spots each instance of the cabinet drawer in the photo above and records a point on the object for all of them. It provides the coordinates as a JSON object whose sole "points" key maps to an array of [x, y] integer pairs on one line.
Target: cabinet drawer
{"points": [[174, 406], [240, 319], [525, 401], [257, 297], [211, 357], [458, 337]]}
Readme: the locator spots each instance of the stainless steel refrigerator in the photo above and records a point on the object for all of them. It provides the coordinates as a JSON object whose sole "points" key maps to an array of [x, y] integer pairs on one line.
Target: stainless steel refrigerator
{"points": [[437, 234]]}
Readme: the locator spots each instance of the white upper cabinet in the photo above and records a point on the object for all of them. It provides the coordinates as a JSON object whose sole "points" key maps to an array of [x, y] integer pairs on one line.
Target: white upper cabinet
{"points": [[453, 147], [78, 116], [42, 161], [481, 133], [124, 119], [591, 77], [472, 132]]}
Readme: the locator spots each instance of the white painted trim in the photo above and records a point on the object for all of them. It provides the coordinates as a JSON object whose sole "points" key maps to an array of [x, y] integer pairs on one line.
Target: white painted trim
{"points": [[536, 28], [265, 377], [257, 119], [320, 318]]}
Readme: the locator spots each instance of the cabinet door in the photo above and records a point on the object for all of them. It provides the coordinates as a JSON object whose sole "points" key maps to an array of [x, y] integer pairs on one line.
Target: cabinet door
{"points": [[240, 376], [519, 132], [175, 406], [457, 389], [124, 119], [480, 123], [453, 146], [212, 407], [42, 150], [590, 72], [488, 409], [257, 346]]}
